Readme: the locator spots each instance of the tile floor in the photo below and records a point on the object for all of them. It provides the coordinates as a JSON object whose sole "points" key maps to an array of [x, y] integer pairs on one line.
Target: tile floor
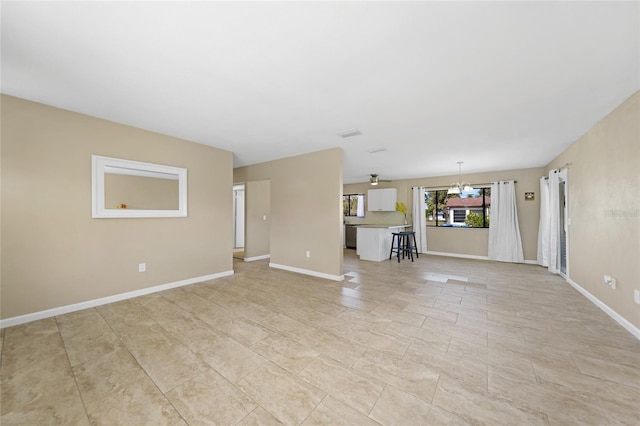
{"points": [[438, 341]]}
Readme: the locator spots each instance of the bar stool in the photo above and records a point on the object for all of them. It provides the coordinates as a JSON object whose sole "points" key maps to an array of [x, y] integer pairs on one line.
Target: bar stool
{"points": [[405, 243], [397, 241], [410, 244]]}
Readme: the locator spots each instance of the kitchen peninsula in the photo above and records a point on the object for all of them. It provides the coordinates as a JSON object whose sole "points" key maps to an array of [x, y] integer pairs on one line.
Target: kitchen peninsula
{"points": [[374, 241]]}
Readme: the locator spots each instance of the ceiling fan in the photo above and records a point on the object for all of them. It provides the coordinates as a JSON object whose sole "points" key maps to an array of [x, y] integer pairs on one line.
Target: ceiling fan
{"points": [[374, 179]]}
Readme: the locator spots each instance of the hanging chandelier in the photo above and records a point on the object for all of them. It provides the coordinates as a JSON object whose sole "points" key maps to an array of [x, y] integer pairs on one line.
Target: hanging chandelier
{"points": [[458, 187]]}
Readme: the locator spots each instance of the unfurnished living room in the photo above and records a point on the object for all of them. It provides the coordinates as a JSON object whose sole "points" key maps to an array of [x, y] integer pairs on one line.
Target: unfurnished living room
{"points": [[320, 213]]}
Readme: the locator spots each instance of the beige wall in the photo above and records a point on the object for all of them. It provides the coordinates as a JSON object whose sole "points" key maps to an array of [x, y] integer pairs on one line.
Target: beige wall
{"points": [[306, 209], [54, 254], [257, 208], [604, 207], [471, 242]]}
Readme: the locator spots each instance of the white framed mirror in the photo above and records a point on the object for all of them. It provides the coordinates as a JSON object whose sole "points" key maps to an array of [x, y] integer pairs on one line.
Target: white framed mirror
{"points": [[125, 188]]}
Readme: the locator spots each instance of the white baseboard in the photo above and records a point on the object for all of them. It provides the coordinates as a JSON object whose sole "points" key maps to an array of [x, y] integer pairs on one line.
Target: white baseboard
{"points": [[471, 256], [254, 258], [607, 310], [464, 256], [8, 322], [308, 272]]}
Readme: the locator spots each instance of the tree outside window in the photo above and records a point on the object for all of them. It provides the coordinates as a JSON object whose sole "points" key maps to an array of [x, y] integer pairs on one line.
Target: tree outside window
{"points": [[353, 205], [468, 209]]}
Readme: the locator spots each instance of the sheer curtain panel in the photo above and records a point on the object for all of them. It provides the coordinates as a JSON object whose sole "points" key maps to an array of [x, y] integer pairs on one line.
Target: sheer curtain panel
{"points": [[549, 229], [543, 226], [420, 219], [505, 244]]}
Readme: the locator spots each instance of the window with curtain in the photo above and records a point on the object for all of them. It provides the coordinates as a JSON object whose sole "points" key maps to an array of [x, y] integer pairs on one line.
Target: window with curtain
{"points": [[353, 205]]}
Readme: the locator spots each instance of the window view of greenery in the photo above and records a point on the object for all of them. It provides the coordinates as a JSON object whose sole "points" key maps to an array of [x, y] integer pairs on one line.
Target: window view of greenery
{"points": [[467, 210], [353, 205]]}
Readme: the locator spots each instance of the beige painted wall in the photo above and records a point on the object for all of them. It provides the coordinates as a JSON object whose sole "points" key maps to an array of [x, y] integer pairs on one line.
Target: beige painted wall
{"points": [[604, 207], [473, 242], [257, 208], [306, 209], [54, 254]]}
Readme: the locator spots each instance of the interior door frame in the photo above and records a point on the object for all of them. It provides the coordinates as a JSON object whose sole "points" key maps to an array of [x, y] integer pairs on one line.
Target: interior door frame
{"points": [[237, 214], [565, 221]]}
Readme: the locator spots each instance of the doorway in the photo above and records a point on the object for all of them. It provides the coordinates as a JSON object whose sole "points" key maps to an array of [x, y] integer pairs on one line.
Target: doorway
{"points": [[563, 217], [238, 219]]}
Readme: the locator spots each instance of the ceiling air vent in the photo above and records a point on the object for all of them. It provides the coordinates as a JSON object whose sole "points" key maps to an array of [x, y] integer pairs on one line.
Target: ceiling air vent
{"points": [[376, 150], [349, 133]]}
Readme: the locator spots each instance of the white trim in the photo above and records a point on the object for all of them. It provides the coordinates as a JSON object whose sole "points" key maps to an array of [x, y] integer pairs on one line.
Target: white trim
{"points": [[9, 322], [464, 256], [470, 256], [251, 259], [100, 165], [563, 175], [607, 310], [308, 272]]}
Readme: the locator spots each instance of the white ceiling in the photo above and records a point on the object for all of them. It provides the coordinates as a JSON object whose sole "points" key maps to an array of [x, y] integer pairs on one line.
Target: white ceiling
{"points": [[498, 85]]}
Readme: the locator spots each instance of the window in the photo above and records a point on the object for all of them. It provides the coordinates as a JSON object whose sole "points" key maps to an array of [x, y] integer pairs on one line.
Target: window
{"points": [[459, 215], [468, 209], [353, 205]]}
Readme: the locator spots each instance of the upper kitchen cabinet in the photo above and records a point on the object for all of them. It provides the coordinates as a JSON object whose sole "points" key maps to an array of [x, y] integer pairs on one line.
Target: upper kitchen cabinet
{"points": [[382, 200]]}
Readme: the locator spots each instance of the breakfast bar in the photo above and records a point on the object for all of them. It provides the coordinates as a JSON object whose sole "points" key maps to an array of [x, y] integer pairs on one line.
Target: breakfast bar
{"points": [[374, 241]]}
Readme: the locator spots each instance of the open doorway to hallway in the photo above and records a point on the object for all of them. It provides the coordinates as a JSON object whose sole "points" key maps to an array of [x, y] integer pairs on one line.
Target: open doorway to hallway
{"points": [[238, 220], [563, 215]]}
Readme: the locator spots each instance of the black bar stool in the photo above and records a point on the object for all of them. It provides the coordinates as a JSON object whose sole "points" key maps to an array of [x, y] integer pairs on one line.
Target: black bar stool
{"points": [[411, 244], [397, 245], [403, 243]]}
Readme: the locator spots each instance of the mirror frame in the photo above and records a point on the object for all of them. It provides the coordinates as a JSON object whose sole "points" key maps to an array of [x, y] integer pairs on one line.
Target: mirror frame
{"points": [[101, 165]]}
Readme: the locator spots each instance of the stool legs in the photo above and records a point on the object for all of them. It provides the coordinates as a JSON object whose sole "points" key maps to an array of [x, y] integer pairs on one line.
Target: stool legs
{"points": [[415, 244], [405, 243], [398, 245], [409, 246]]}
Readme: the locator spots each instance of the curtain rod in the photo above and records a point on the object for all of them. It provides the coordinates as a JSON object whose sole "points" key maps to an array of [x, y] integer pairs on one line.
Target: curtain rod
{"points": [[558, 170], [475, 184]]}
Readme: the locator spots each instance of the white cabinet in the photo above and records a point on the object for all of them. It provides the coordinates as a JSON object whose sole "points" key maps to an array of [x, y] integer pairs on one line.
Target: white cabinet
{"points": [[382, 200]]}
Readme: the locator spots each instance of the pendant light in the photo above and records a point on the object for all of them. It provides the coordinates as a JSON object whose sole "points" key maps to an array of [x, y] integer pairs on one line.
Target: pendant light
{"points": [[458, 187]]}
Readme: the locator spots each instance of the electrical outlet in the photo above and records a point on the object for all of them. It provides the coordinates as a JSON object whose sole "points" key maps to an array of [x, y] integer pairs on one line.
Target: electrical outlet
{"points": [[142, 267], [308, 253], [636, 296]]}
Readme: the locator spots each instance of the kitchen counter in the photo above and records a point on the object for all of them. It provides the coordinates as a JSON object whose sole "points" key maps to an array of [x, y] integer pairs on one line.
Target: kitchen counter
{"points": [[374, 241]]}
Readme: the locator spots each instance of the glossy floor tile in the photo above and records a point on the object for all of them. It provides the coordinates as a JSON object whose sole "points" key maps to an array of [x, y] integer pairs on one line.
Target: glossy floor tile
{"points": [[440, 341]]}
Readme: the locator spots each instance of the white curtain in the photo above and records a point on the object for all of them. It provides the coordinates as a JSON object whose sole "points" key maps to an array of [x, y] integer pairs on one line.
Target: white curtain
{"points": [[420, 219], [543, 226], [360, 206], [505, 244], [549, 228]]}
